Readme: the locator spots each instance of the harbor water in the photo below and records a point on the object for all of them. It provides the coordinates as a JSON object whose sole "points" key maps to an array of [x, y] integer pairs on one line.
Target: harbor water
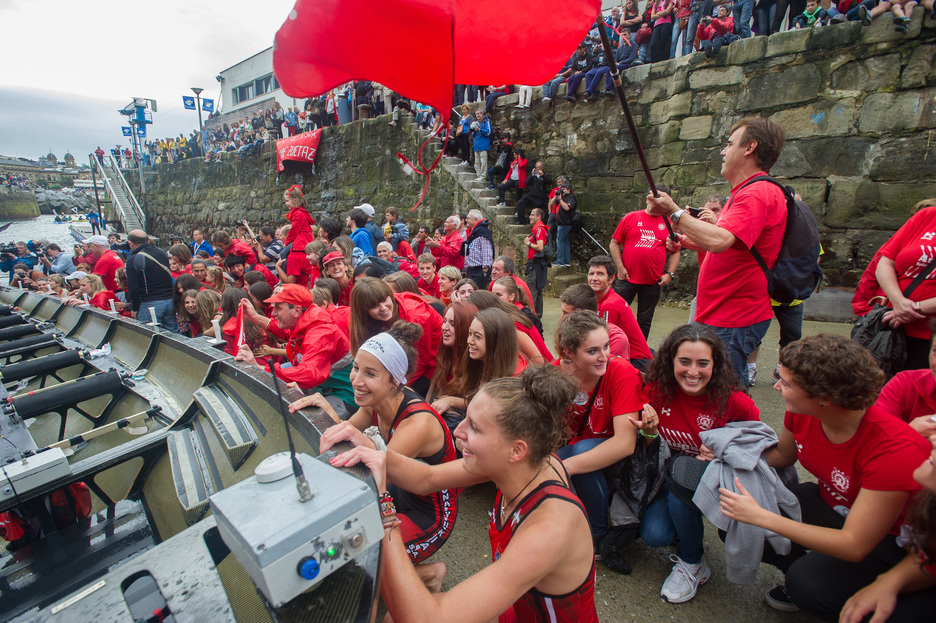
{"points": [[43, 228]]}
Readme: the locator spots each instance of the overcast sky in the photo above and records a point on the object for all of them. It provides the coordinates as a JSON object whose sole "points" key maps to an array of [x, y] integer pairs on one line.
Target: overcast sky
{"points": [[68, 66]]}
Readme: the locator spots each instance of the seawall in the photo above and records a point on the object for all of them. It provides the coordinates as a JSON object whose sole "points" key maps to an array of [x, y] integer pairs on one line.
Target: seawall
{"points": [[17, 205], [857, 104]]}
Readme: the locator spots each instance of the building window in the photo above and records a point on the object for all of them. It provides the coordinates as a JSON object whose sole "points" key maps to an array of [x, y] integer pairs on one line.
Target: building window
{"points": [[264, 84]]}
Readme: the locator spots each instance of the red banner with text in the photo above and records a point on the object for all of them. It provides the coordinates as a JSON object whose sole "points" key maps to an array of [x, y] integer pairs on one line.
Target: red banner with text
{"points": [[301, 147]]}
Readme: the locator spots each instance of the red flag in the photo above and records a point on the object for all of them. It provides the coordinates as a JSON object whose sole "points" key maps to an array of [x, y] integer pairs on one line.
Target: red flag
{"points": [[299, 147], [240, 328], [422, 48]]}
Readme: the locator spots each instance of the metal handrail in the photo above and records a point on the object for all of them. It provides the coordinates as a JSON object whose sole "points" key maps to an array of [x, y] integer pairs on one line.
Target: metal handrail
{"points": [[134, 206]]}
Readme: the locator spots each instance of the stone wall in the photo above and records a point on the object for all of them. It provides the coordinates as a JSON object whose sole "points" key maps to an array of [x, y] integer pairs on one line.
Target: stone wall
{"points": [[857, 105], [17, 205]]}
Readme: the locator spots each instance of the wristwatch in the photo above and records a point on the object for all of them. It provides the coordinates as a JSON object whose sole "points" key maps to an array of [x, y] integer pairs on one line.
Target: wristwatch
{"points": [[671, 275], [675, 216]]}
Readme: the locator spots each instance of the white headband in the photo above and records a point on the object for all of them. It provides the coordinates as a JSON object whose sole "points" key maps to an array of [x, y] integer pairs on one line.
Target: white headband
{"points": [[389, 352]]}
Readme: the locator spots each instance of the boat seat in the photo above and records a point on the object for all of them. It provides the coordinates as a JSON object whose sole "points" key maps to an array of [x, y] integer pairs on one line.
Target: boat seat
{"points": [[188, 474], [229, 421]]}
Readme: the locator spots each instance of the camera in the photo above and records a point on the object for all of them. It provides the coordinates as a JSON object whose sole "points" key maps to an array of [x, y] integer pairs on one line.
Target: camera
{"points": [[123, 246], [242, 223], [694, 212], [8, 250], [20, 274]]}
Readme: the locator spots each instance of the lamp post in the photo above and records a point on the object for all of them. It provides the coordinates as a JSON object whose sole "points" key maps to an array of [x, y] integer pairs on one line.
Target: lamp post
{"points": [[197, 91]]}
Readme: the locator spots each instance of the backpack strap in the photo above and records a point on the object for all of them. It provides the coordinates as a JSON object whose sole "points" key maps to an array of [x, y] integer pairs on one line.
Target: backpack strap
{"points": [[791, 214], [919, 278]]}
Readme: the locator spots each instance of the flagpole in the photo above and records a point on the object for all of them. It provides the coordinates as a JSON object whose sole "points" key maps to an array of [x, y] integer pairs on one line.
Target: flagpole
{"points": [[198, 91]]}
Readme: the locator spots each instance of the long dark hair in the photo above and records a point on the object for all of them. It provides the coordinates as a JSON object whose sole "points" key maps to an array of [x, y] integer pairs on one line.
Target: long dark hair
{"points": [[449, 359], [922, 520], [724, 381]]}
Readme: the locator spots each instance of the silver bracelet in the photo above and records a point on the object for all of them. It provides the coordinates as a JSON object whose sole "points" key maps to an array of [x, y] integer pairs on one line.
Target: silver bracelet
{"points": [[373, 433]]}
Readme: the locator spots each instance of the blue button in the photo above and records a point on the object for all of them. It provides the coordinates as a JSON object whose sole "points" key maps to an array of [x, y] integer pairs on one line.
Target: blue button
{"points": [[309, 568]]}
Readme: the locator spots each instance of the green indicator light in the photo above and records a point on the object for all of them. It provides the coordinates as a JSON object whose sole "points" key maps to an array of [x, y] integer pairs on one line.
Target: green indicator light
{"points": [[331, 552]]}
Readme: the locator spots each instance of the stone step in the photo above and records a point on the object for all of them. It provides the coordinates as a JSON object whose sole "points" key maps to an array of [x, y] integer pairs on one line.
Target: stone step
{"points": [[557, 283], [518, 230], [506, 211]]}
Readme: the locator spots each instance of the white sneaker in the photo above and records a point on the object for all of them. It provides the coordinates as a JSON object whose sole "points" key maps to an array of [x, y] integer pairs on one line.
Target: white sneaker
{"points": [[684, 580], [464, 163], [501, 205]]}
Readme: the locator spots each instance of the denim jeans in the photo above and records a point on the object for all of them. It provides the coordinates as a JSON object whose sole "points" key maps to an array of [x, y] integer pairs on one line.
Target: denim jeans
{"points": [[765, 16], [591, 488], [165, 313], [667, 518], [741, 342], [790, 319], [563, 250], [594, 76], [550, 88], [742, 12], [691, 33], [675, 41]]}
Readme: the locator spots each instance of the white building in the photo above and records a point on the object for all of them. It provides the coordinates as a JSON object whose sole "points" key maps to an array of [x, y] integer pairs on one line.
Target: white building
{"points": [[250, 84]]}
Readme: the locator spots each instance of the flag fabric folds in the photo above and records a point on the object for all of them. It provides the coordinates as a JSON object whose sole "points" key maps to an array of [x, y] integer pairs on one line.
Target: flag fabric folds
{"points": [[188, 102], [302, 147], [425, 47]]}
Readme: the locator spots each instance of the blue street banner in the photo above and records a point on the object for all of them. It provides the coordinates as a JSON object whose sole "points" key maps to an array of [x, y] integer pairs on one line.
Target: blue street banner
{"points": [[188, 102], [126, 131], [141, 131], [207, 105]]}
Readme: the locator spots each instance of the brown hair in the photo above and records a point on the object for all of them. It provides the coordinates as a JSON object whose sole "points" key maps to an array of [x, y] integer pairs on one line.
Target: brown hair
{"points": [[367, 293], [449, 360], [207, 302], [501, 356], [581, 297], [510, 284], [575, 329], [485, 300], [182, 253], [723, 382], [921, 517], [534, 408], [321, 297], [401, 281], [835, 367], [295, 192], [769, 136], [184, 316]]}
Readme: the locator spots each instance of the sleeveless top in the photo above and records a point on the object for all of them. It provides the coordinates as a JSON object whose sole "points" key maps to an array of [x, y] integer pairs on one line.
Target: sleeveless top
{"points": [[441, 504], [577, 606]]}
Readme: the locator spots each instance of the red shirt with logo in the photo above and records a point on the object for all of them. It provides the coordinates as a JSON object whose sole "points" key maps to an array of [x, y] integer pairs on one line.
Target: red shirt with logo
{"points": [[880, 456], [615, 310], [432, 289], [683, 418], [538, 234], [620, 393], [106, 268], [911, 249], [643, 246], [732, 289]]}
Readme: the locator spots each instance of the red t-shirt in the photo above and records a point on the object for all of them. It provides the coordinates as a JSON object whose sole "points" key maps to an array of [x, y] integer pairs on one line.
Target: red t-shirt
{"points": [[615, 310], [298, 265], [539, 234], [241, 248], [909, 395], [620, 393], [106, 268], [880, 456], [686, 416], [911, 249], [620, 345], [643, 246], [732, 289]]}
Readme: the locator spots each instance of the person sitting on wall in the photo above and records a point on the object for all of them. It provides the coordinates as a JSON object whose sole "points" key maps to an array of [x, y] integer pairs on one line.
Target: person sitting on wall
{"points": [[713, 33]]}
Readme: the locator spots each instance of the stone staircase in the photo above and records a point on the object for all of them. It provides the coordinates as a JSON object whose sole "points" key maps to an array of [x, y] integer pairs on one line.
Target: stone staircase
{"points": [[508, 236]]}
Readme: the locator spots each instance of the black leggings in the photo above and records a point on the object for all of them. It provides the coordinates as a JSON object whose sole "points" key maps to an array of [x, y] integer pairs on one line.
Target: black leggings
{"points": [[820, 584], [796, 7], [660, 40]]}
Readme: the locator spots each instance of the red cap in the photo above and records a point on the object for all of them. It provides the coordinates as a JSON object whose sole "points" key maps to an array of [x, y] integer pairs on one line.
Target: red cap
{"points": [[331, 257], [294, 294]]}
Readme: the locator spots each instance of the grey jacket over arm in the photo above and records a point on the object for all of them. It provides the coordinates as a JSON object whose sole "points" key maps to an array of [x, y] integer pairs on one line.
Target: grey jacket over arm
{"points": [[739, 447]]}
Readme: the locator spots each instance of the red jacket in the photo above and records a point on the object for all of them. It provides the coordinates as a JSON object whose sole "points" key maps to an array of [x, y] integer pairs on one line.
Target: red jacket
{"points": [[716, 28], [412, 308], [300, 230], [450, 252], [313, 346], [241, 248], [522, 164]]}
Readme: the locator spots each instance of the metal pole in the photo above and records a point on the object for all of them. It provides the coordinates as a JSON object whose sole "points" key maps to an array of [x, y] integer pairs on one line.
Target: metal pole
{"points": [[94, 164], [619, 89], [198, 91]]}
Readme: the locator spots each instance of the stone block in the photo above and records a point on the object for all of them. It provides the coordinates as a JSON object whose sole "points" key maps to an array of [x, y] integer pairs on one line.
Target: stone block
{"points": [[789, 42], [688, 177], [836, 156], [747, 50], [668, 132], [800, 83], [882, 30], [813, 192], [696, 128], [791, 163], [665, 156], [716, 103], [676, 106], [662, 88], [562, 113], [637, 75], [716, 77], [829, 118], [662, 68], [919, 68], [868, 75], [903, 159], [874, 205], [906, 110], [839, 35]]}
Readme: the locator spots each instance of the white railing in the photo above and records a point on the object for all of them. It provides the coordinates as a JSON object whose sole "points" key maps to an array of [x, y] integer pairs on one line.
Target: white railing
{"points": [[134, 206]]}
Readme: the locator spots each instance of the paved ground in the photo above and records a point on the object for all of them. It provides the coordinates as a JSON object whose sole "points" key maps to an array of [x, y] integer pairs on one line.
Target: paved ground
{"points": [[637, 597]]}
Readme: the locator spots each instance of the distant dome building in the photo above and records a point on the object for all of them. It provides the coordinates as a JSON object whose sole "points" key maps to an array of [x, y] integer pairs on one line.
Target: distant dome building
{"points": [[49, 159], [69, 159]]}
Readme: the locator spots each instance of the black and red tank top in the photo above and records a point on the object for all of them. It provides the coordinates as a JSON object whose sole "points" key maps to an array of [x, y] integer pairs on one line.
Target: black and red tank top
{"points": [[441, 505], [577, 606]]}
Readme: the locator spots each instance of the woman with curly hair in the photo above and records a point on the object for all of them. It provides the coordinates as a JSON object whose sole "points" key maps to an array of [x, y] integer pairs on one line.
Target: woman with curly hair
{"points": [[693, 388], [864, 460], [908, 591]]}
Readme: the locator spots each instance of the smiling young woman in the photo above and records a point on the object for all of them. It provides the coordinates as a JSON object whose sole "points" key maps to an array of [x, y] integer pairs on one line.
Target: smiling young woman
{"points": [[544, 567], [693, 388]]}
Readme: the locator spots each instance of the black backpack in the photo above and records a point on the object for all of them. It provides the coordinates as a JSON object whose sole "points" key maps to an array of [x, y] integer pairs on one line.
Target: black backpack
{"points": [[796, 273]]}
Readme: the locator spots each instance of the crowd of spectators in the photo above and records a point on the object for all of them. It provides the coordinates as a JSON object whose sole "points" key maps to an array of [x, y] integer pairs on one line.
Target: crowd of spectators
{"points": [[15, 182]]}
